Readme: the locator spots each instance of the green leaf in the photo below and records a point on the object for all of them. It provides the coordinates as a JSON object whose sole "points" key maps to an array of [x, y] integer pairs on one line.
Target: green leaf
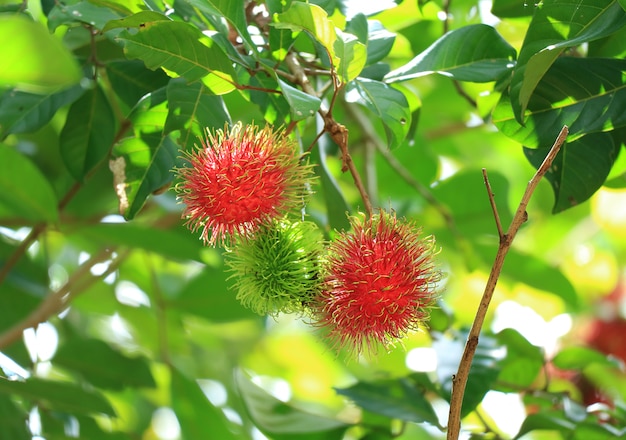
{"points": [[23, 112], [141, 165], [181, 48], [88, 133], [474, 53], [512, 8], [12, 425], [584, 94], [579, 170], [82, 12], [282, 421], [473, 216], [235, 13], [379, 42], [198, 418], [24, 191], [387, 103], [137, 20], [58, 396], [104, 367], [35, 61], [274, 106], [312, 19], [302, 105], [395, 398], [351, 54], [556, 26], [208, 295], [551, 421], [193, 110], [522, 364], [131, 80], [578, 358]]}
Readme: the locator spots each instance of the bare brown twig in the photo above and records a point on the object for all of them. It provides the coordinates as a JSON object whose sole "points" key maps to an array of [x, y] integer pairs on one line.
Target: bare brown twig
{"points": [[459, 380]]}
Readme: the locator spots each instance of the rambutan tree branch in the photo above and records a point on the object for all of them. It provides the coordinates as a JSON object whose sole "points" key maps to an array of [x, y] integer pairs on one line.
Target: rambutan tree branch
{"points": [[337, 131], [459, 380]]}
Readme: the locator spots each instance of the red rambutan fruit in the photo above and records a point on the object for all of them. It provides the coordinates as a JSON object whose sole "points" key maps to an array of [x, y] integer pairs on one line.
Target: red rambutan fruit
{"points": [[239, 179], [380, 281]]}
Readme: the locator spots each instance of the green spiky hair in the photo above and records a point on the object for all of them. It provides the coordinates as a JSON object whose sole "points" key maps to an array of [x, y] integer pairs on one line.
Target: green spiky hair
{"points": [[278, 269]]}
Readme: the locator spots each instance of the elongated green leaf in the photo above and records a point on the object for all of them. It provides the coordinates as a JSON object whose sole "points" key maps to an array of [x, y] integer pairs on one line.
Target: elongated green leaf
{"points": [[12, 418], [302, 104], [139, 19], [522, 364], [512, 8], [208, 295], [584, 94], [104, 367], [235, 13], [24, 191], [282, 421], [58, 396], [579, 170], [198, 418], [312, 19], [379, 42], [181, 48], [88, 133], [131, 80], [23, 112], [552, 421], [578, 358], [396, 398], [192, 110], [472, 53], [274, 106], [82, 12], [35, 60], [351, 54], [556, 26], [141, 165], [387, 103]]}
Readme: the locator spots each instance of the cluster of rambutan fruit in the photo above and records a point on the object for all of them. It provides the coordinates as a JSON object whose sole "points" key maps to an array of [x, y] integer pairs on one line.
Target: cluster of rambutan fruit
{"points": [[245, 189]]}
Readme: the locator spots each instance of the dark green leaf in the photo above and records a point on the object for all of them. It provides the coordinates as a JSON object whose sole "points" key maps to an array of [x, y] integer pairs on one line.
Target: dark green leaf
{"points": [[32, 47], [88, 133], [282, 421], [578, 358], [192, 110], [12, 421], [58, 396], [22, 112], [302, 104], [522, 363], [183, 49], [556, 26], [379, 42], [82, 12], [198, 418], [512, 8], [141, 166], [474, 53], [387, 103], [208, 295], [584, 94], [579, 170], [24, 191], [396, 399], [274, 106], [131, 80], [103, 366]]}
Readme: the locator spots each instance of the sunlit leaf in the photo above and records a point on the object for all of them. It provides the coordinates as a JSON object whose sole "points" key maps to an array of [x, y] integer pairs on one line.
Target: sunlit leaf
{"points": [[88, 133], [24, 190], [104, 367], [387, 103], [579, 170], [472, 53], [578, 358], [522, 364], [352, 56], [282, 421], [181, 48], [35, 61], [584, 94], [143, 18], [556, 26], [553, 421]]}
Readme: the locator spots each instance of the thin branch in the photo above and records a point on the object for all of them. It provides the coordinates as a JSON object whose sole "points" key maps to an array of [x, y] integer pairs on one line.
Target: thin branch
{"points": [[494, 208], [459, 380], [337, 131]]}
